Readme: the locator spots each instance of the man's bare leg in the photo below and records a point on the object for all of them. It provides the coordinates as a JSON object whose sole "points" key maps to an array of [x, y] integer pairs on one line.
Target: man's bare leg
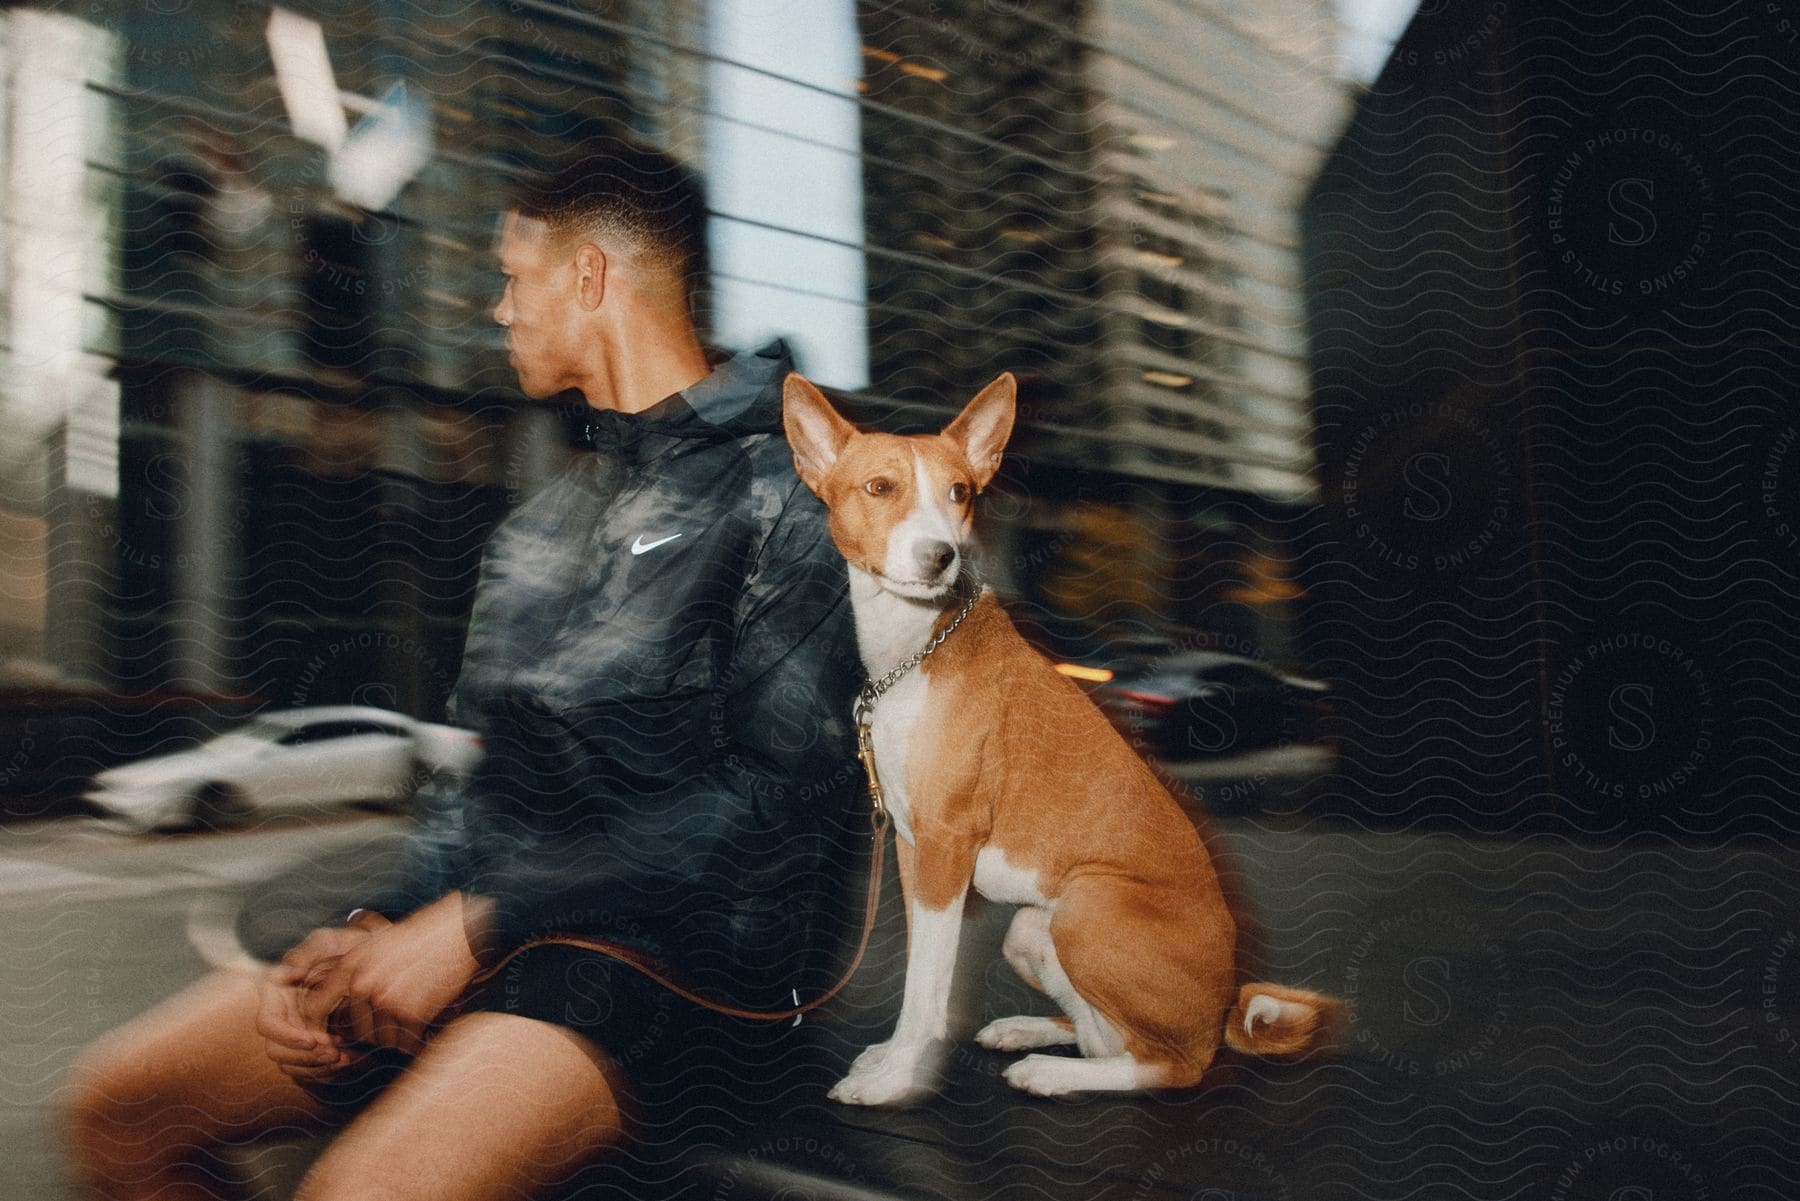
{"points": [[144, 1102], [496, 1106]]}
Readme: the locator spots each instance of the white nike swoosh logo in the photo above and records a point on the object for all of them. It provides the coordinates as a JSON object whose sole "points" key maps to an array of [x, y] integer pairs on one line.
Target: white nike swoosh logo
{"points": [[640, 546]]}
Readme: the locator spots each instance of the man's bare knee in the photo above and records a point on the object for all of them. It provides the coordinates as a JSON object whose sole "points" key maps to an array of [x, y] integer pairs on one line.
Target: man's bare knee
{"points": [[112, 1125], [496, 1108], [146, 1098], [84, 1115]]}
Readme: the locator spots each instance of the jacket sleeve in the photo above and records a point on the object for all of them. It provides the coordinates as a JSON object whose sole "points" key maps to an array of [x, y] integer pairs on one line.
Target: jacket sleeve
{"points": [[433, 854], [727, 811]]}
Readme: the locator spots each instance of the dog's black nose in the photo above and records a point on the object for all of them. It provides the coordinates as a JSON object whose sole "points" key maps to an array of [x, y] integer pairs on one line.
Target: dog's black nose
{"points": [[934, 557]]}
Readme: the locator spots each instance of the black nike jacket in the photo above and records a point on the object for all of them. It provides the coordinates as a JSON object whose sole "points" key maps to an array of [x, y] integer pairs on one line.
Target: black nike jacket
{"points": [[662, 662]]}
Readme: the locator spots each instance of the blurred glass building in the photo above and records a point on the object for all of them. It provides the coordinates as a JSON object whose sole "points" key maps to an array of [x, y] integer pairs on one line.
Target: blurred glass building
{"points": [[255, 436], [1101, 197]]}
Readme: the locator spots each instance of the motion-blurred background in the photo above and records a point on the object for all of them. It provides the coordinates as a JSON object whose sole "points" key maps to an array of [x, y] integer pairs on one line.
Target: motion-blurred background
{"points": [[1407, 452], [257, 434]]}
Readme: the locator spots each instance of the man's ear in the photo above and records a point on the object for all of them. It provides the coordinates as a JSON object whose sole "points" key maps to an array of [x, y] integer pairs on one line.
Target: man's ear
{"points": [[815, 431], [983, 428], [590, 275]]}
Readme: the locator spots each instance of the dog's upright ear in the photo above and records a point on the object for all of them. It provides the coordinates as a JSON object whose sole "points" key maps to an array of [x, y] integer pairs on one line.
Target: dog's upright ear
{"points": [[983, 428], [815, 431]]}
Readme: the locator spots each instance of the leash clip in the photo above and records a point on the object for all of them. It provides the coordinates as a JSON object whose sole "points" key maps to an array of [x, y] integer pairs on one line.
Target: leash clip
{"points": [[865, 751]]}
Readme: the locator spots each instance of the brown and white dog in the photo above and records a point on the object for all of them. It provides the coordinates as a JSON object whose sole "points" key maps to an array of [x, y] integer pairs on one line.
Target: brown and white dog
{"points": [[999, 772]]}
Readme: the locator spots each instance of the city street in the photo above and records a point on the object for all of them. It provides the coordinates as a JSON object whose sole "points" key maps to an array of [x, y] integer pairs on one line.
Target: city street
{"points": [[1526, 1010], [96, 926]]}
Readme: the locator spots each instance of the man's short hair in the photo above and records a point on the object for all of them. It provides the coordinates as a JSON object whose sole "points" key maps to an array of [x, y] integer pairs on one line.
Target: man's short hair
{"points": [[611, 187]]}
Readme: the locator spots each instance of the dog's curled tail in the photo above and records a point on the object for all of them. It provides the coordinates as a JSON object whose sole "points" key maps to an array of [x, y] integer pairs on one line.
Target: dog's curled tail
{"points": [[1271, 1020]]}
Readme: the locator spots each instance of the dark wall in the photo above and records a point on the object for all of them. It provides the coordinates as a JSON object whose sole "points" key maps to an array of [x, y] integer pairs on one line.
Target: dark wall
{"points": [[1552, 310]]}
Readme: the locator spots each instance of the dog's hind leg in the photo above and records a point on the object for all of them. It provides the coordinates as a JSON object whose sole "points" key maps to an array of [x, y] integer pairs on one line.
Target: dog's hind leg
{"points": [[1054, 1075], [1154, 972], [1026, 1033], [1032, 952], [1028, 945], [1033, 956]]}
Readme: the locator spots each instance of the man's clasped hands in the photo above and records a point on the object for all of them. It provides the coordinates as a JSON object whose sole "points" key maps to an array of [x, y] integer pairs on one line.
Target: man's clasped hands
{"points": [[369, 983]]}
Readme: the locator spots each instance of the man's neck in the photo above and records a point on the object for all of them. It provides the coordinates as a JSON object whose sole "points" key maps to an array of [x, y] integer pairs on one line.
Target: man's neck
{"points": [[661, 356]]}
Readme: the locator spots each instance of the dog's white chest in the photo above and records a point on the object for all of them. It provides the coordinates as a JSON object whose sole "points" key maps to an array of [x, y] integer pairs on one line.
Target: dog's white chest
{"points": [[896, 715]]}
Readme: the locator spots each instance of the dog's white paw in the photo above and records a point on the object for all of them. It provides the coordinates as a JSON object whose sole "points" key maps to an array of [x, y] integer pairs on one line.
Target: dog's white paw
{"points": [[1024, 1034], [871, 1058], [1044, 1075], [889, 1079]]}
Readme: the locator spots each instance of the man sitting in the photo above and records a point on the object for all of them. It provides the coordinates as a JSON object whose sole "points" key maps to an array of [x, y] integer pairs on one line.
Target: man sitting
{"points": [[661, 662]]}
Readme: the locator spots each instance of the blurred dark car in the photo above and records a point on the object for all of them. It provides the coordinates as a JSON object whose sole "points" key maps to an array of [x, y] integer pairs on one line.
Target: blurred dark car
{"points": [[1201, 704], [1175, 702]]}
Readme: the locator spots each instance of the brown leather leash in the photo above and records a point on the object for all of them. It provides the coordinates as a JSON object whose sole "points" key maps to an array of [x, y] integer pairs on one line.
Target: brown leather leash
{"points": [[641, 961], [878, 822]]}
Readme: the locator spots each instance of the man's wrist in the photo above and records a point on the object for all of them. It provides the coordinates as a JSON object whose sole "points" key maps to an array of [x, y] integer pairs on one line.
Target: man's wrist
{"points": [[477, 915], [365, 919]]}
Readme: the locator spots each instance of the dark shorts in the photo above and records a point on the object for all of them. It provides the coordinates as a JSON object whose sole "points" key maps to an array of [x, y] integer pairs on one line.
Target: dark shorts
{"points": [[664, 1043], [616, 1007]]}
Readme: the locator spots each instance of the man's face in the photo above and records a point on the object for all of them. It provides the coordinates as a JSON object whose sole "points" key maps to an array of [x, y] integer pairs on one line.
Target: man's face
{"points": [[538, 307]]}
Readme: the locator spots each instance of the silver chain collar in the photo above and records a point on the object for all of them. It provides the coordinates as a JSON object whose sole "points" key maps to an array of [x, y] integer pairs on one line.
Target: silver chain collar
{"points": [[871, 692]]}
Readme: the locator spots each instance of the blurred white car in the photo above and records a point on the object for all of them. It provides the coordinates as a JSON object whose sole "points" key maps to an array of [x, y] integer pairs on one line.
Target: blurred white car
{"points": [[296, 759]]}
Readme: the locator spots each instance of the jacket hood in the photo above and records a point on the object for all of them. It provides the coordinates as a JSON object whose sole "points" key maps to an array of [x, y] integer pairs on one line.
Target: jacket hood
{"points": [[741, 396]]}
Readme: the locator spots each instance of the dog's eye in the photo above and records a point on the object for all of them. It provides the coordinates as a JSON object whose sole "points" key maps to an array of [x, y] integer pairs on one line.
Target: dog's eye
{"points": [[959, 492], [879, 486]]}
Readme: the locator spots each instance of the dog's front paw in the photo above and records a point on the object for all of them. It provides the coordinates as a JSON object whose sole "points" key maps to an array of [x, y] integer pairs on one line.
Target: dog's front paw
{"points": [[871, 1058], [891, 1078], [1045, 1075]]}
